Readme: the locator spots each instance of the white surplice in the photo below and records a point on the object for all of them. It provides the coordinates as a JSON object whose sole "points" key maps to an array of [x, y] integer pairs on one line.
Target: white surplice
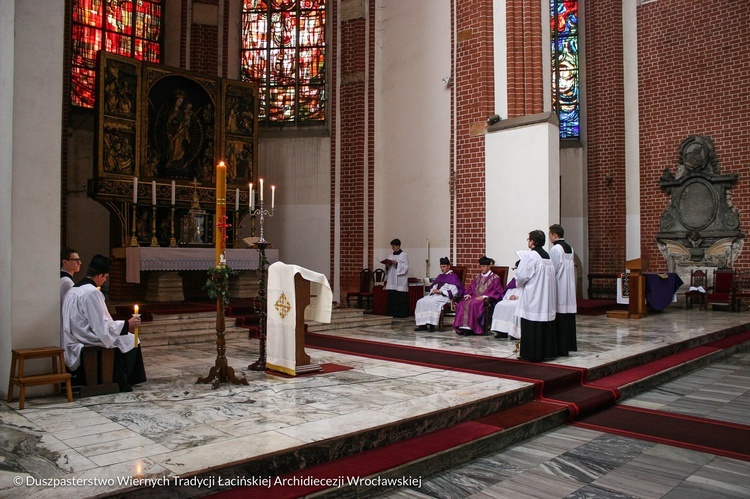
{"points": [[565, 274], [87, 322], [536, 276], [396, 275]]}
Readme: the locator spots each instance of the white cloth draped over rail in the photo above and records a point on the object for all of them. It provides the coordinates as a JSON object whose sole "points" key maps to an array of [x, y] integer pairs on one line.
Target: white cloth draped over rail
{"points": [[147, 258], [281, 312]]}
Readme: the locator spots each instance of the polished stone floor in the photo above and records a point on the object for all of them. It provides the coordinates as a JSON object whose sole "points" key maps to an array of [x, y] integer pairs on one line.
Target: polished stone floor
{"points": [[172, 427]]}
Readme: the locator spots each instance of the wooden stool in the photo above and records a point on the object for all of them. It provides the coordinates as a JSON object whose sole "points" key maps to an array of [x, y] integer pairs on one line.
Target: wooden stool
{"points": [[57, 376], [98, 363]]}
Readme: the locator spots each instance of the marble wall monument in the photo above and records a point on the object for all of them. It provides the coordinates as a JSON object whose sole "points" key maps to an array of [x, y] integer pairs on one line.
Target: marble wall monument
{"points": [[700, 227]]}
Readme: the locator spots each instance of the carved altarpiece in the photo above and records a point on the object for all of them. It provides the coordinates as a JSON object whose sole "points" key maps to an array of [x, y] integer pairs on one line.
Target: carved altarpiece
{"points": [[700, 227], [163, 124]]}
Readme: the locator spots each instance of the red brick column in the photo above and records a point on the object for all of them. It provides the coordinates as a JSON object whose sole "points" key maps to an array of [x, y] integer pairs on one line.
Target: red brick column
{"points": [[524, 39]]}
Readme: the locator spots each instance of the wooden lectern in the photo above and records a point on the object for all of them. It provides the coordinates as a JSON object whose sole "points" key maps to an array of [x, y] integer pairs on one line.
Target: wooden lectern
{"points": [[637, 308], [295, 294]]}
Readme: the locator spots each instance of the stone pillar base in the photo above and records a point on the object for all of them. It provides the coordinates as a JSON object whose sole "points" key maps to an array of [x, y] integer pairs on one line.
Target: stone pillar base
{"points": [[245, 285]]}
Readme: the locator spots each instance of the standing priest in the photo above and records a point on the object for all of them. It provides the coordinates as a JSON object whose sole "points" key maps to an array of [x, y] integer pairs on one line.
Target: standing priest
{"points": [[536, 275], [563, 259]]}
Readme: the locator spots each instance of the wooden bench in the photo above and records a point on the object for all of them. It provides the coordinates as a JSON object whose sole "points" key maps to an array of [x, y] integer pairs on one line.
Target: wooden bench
{"points": [[98, 364], [58, 375]]}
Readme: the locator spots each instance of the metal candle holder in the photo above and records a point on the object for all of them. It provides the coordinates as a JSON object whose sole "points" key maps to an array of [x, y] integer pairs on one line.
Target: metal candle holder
{"points": [[154, 241], [133, 237], [262, 244], [172, 240]]}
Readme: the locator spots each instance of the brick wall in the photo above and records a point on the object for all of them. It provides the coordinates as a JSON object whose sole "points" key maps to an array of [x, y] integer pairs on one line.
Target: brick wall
{"points": [[356, 154], [605, 121], [524, 39], [693, 80], [474, 100], [204, 44]]}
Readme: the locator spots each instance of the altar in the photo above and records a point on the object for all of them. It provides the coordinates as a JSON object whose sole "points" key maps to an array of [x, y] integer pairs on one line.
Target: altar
{"points": [[163, 264]]}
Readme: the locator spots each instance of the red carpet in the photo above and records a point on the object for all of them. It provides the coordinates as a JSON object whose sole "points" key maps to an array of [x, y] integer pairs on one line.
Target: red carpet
{"points": [[700, 434], [340, 471], [553, 383]]}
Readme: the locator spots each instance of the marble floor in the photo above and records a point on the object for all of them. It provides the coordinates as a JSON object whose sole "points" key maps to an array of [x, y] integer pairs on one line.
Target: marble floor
{"points": [[171, 428]]}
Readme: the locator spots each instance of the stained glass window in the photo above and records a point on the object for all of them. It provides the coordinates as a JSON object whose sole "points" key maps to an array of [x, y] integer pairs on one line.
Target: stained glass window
{"points": [[283, 49], [131, 28], [566, 96]]}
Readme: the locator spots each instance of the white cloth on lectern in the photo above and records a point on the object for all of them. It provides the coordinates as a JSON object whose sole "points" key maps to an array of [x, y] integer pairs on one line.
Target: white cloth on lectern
{"points": [[280, 321]]}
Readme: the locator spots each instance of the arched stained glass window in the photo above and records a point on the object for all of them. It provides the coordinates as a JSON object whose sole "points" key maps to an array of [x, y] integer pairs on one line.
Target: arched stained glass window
{"points": [[130, 28], [283, 50], [566, 96]]}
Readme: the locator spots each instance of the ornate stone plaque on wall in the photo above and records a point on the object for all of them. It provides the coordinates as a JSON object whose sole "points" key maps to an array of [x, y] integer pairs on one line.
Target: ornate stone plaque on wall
{"points": [[700, 226]]}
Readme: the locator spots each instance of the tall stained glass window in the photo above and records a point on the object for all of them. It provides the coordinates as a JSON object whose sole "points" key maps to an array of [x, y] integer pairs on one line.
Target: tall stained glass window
{"points": [[283, 50], [131, 28], [566, 96]]}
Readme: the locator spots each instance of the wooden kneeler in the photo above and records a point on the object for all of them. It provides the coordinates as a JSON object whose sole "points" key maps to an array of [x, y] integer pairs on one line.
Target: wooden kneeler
{"points": [[98, 364]]}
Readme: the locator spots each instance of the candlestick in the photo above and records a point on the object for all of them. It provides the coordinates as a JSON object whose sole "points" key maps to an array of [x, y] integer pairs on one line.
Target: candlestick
{"points": [[173, 192], [221, 206], [153, 192], [133, 237], [172, 240], [273, 195], [136, 341], [154, 240], [135, 190], [236, 200], [261, 189]]}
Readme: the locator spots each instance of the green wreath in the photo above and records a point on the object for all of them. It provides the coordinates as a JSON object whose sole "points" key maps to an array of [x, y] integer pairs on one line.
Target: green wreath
{"points": [[217, 284]]}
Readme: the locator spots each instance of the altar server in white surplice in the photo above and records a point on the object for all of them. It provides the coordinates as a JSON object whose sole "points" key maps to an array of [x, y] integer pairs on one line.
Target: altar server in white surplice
{"points": [[505, 322], [281, 314], [563, 258]]}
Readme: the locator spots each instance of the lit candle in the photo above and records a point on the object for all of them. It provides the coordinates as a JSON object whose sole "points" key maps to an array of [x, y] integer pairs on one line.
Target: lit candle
{"points": [[135, 309], [173, 192], [153, 192], [237, 200], [261, 190], [221, 208], [273, 195], [135, 190]]}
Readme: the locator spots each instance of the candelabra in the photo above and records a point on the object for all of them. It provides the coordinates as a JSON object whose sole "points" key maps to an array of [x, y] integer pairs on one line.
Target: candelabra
{"points": [[262, 244], [133, 237], [172, 240]]}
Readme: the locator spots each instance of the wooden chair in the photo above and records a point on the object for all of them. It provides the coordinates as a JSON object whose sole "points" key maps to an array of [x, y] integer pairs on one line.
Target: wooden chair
{"points": [[449, 309], [741, 289], [364, 295], [698, 279], [722, 291], [378, 277]]}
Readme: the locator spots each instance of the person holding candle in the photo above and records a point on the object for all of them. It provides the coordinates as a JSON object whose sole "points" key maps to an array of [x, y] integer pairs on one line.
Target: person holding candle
{"points": [[87, 322]]}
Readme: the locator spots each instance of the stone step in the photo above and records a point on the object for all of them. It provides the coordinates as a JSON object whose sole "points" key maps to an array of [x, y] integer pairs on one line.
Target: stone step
{"points": [[350, 323], [205, 335]]}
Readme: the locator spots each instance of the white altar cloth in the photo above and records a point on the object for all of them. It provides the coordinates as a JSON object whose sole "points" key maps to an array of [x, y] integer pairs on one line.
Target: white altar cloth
{"points": [[147, 258]]}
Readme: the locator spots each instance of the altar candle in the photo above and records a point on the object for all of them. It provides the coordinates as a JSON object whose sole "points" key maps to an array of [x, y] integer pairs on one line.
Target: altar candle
{"points": [[135, 309], [261, 189], [251, 200], [135, 190], [273, 195], [173, 192], [236, 200], [221, 206], [153, 192]]}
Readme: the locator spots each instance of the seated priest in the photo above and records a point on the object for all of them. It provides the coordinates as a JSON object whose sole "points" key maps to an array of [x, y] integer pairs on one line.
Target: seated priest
{"points": [[505, 322], [470, 310], [87, 322], [446, 287]]}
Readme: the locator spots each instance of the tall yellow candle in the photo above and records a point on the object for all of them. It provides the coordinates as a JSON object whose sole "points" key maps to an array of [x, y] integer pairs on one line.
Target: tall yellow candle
{"points": [[221, 207]]}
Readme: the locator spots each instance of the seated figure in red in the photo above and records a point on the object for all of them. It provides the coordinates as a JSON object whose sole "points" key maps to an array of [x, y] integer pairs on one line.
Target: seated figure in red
{"points": [[470, 311]]}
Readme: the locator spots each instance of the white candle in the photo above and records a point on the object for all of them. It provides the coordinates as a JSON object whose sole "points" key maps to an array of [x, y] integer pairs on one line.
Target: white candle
{"points": [[236, 200], [153, 192], [135, 190], [251, 197], [173, 192], [273, 195], [261, 190]]}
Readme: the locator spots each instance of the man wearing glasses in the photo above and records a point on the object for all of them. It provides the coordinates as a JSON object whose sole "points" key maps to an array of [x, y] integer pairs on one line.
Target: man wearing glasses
{"points": [[70, 263]]}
